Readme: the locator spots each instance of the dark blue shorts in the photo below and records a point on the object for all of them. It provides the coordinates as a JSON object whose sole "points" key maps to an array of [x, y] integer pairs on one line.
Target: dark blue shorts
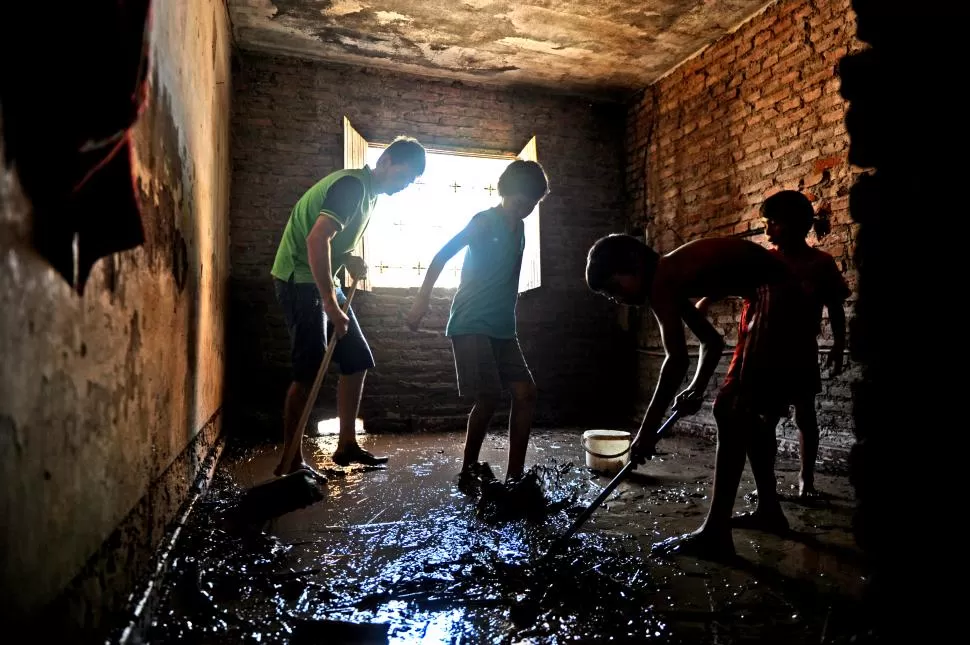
{"points": [[305, 321], [486, 366]]}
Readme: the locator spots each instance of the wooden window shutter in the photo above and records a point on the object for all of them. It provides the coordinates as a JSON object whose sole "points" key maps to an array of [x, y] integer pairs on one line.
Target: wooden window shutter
{"points": [[530, 277], [355, 156]]}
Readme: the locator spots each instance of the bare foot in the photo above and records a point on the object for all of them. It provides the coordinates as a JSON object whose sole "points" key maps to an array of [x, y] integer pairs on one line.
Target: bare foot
{"points": [[806, 490], [704, 544], [310, 469], [299, 465], [768, 521], [812, 497], [473, 477]]}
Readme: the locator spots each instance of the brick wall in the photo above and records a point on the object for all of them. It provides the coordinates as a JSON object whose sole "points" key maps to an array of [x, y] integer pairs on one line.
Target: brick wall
{"points": [[287, 134], [756, 112]]}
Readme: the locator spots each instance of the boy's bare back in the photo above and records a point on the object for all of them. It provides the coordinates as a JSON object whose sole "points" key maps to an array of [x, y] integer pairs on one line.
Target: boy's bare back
{"points": [[715, 268]]}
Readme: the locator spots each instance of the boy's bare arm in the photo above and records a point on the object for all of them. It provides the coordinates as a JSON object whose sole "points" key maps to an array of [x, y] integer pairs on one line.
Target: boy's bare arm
{"points": [[704, 304], [672, 374], [321, 265], [448, 251], [712, 344], [836, 293], [837, 321], [342, 201], [318, 257]]}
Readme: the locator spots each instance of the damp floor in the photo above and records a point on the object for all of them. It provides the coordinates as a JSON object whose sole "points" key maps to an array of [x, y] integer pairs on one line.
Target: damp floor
{"points": [[402, 549]]}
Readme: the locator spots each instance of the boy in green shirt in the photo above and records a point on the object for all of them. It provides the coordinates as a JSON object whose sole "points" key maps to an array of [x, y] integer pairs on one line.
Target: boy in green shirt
{"points": [[481, 326], [323, 228]]}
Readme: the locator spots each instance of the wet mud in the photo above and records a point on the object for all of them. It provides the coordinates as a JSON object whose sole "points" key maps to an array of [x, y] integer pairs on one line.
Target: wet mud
{"points": [[465, 565]]}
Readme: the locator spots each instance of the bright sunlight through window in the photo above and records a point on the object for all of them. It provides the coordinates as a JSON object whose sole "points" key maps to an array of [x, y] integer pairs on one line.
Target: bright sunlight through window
{"points": [[407, 229]]}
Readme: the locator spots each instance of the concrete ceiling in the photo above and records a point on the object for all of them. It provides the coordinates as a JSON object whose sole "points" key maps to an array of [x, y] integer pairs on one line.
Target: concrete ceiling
{"points": [[600, 47]]}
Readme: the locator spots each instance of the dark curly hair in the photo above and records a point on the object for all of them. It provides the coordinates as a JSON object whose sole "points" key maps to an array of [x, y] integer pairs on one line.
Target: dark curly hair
{"points": [[524, 178], [617, 254], [792, 208], [407, 150]]}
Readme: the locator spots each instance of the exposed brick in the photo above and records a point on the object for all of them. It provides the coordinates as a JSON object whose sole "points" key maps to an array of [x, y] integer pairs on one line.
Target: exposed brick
{"points": [[769, 167], [833, 116], [790, 104], [826, 163], [782, 128], [811, 95], [781, 151]]}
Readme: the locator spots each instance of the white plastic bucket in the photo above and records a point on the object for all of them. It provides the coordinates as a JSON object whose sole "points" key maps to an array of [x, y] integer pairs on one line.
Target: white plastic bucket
{"points": [[607, 450]]}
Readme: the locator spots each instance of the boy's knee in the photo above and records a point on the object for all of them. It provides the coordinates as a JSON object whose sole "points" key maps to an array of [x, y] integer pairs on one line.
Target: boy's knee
{"points": [[486, 401], [805, 418], [725, 410], [355, 376], [525, 393], [731, 419]]}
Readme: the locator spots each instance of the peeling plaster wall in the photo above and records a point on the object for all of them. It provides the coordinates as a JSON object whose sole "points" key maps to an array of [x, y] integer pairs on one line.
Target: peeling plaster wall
{"points": [[608, 47], [109, 402]]}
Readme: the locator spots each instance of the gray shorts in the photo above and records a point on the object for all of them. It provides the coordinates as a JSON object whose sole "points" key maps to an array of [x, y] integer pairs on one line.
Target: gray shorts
{"points": [[487, 366]]}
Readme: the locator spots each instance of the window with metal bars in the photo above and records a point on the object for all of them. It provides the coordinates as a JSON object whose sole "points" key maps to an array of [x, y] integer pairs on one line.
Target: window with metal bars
{"points": [[407, 229]]}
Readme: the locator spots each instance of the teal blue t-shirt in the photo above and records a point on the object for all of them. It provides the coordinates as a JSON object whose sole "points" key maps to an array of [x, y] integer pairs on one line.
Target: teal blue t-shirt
{"points": [[489, 288]]}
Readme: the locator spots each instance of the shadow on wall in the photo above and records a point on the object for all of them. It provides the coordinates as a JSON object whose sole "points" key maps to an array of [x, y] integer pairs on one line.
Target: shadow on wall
{"points": [[74, 164], [894, 122]]}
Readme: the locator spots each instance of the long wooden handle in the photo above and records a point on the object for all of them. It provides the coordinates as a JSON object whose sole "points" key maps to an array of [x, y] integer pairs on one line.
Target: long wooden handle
{"points": [[632, 464], [321, 373]]}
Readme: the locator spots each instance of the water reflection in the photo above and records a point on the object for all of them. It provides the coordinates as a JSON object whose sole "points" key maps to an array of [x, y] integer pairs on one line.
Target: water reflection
{"points": [[399, 554]]}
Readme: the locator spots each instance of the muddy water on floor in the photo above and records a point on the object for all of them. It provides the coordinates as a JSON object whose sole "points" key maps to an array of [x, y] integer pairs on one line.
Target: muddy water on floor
{"points": [[403, 548]]}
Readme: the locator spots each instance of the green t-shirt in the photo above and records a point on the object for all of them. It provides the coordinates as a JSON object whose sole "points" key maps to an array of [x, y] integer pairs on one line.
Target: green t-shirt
{"points": [[489, 288], [345, 196]]}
